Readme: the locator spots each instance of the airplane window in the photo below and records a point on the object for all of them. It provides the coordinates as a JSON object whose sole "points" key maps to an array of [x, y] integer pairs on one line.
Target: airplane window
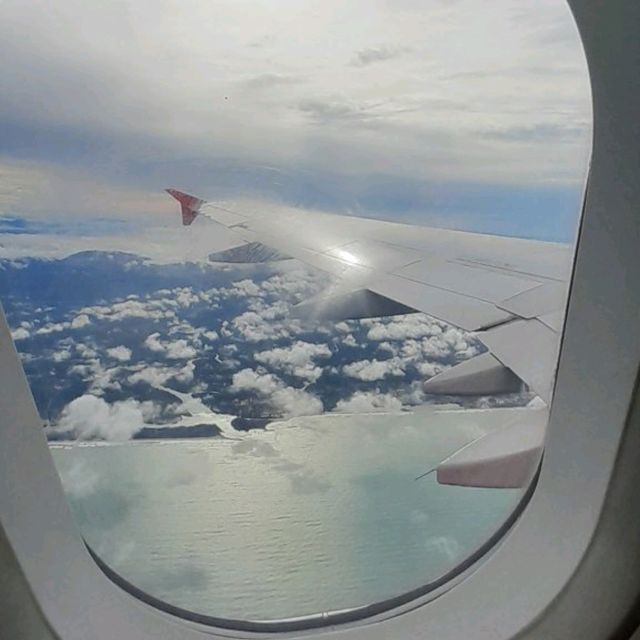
{"points": [[314, 375]]}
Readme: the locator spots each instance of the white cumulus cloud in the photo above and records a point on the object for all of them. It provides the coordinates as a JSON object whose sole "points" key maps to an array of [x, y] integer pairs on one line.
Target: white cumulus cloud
{"points": [[286, 400], [80, 321], [369, 402], [150, 309], [370, 370], [121, 353], [91, 417], [402, 327], [244, 288], [20, 333], [177, 350], [154, 376], [297, 360], [62, 355]]}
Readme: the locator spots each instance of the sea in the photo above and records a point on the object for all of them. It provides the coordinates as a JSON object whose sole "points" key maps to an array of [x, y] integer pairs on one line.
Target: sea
{"points": [[307, 516]]}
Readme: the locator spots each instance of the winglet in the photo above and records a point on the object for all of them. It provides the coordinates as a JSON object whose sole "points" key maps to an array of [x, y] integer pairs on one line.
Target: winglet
{"points": [[190, 205]]}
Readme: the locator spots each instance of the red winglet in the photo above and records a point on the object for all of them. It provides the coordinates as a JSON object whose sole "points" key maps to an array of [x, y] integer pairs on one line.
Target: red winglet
{"points": [[190, 205]]}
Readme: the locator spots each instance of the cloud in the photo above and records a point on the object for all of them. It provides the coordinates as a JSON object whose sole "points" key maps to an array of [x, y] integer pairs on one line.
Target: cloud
{"points": [[111, 134], [62, 355], [426, 343], [184, 297], [150, 309], [53, 327], [428, 369], [289, 401], [158, 376], [297, 359], [85, 350], [244, 288], [80, 321], [349, 341], [295, 282], [104, 379], [195, 333], [247, 379], [153, 343], [154, 376], [186, 374], [387, 357], [371, 55], [20, 334], [121, 353], [333, 111], [402, 327], [370, 370], [255, 326], [152, 237], [89, 417], [267, 316], [177, 350], [539, 132], [387, 347], [269, 80], [369, 402], [82, 370]]}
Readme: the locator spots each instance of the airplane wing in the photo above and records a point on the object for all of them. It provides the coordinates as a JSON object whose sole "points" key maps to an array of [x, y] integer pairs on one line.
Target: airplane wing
{"points": [[511, 292]]}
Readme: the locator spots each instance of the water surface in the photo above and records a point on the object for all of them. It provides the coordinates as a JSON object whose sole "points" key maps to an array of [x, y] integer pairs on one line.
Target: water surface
{"points": [[310, 515]]}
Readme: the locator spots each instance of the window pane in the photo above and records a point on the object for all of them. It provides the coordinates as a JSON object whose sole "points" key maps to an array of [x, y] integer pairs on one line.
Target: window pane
{"points": [[290, 402]]}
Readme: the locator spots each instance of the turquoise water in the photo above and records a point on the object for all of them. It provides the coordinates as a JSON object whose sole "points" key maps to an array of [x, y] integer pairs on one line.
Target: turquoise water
{"points": [[311, 515]]}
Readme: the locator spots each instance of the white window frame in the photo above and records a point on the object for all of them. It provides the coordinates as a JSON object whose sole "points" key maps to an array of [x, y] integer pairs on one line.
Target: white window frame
{"points": [[569, 567]]}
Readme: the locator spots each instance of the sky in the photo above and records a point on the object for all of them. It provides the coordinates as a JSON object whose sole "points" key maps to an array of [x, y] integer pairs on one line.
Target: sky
{"points": [[470, 114]]}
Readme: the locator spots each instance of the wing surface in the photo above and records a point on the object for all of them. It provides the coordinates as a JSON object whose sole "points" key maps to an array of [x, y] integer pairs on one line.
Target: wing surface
{"points": [[510, 291]]}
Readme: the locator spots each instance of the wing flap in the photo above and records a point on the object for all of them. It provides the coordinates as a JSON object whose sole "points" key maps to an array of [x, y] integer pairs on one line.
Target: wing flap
{"points": [[483, 375], [530, 349], [467, 313], [503, 459]]}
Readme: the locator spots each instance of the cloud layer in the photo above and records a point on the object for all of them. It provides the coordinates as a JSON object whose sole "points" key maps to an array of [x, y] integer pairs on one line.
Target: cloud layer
{"points": [[378, 118], [224, 337]]}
